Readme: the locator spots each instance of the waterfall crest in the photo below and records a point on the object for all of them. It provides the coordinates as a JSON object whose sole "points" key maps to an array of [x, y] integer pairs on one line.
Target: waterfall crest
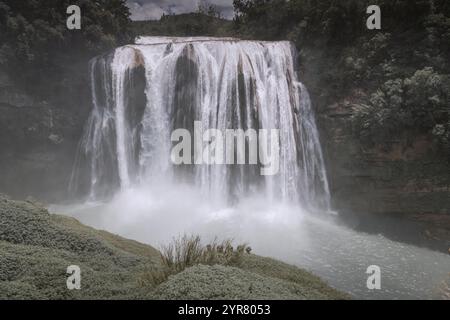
{"points": [[142, 92]]}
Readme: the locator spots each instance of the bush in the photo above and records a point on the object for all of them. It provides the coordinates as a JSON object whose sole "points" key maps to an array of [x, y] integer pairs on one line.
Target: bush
{"points": [[185, 252], [418, 103]]}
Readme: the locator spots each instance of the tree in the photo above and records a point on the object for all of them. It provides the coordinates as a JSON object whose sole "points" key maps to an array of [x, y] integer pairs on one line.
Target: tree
{"points": [[38, 50], [209, 9]]}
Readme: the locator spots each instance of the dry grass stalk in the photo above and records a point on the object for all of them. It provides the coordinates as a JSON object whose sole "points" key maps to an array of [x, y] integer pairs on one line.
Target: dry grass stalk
{"points": [[187, 251]]}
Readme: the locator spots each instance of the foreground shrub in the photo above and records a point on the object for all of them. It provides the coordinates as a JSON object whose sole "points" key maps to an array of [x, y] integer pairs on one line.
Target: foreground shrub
{"points": [[187, 251]]}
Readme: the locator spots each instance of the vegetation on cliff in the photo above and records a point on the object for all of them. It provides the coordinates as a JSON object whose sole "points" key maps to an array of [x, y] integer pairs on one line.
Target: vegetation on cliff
{"points": [[42, 55], [403, 70]]}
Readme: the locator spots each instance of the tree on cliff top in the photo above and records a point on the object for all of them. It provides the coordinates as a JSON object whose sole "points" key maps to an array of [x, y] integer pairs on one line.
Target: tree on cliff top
{"points": [[37, 49]]}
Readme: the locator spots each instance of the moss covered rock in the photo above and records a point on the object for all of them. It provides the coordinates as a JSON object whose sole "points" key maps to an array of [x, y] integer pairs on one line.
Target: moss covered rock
{"points": [[221, 282]]}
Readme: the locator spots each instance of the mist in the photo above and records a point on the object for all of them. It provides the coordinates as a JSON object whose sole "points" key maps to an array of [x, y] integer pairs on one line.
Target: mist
{"points": [[317, 242]]}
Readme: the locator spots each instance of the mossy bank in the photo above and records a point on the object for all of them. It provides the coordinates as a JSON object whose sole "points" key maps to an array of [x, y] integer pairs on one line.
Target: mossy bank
{"points": [[37, 247]]}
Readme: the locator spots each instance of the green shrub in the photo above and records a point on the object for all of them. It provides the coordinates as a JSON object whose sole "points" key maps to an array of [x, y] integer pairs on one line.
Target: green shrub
{"points": [[418, 103], [187, 251]]}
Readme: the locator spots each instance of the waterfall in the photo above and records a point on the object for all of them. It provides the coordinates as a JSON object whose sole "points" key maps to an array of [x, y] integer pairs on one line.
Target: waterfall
{"points": [[142, 92]]}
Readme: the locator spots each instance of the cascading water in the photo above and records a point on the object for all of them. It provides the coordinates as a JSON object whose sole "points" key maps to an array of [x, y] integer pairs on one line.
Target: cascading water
{"points": [[224, 84]]}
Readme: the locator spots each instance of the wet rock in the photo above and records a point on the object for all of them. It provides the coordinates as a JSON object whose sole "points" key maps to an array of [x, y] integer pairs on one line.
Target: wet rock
{"points": [[55, 139]]}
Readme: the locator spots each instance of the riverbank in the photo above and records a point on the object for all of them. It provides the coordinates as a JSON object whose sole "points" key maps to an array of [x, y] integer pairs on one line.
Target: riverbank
{"points": [[37, 247]]}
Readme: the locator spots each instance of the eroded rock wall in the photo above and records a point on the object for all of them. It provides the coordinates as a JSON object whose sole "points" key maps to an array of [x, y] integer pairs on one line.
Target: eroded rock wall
{"points": [[408, 175]]}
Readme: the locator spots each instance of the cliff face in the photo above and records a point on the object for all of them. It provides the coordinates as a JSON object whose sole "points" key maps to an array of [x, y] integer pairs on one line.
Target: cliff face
{"points": [[408, 175], [38, 141]]}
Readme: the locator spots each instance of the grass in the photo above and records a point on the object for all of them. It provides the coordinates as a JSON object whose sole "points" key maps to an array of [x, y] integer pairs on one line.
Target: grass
{"points": [[187, 251], [36, 248]]}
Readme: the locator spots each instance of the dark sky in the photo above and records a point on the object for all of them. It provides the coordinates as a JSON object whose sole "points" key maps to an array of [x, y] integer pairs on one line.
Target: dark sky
{"points": [[154, 9]]}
